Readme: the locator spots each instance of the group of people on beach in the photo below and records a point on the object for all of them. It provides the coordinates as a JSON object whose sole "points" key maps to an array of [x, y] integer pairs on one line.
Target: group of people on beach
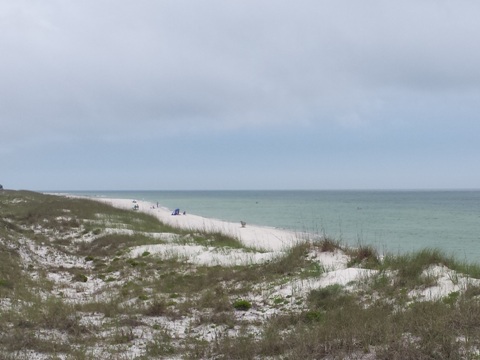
{"points": [[177, 212], [135, 205]]}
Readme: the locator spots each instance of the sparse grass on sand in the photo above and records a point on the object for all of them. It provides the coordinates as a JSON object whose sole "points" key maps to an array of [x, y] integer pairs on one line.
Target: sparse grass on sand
{"points": [[70, 288]]}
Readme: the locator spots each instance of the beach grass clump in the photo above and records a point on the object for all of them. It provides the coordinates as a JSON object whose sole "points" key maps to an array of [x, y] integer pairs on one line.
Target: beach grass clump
{"points": [[314, 316], [327, 244], [242, 305], [80, 278], [365, 256], [329, 297], [215, 298], [219, 240], [158, 307], [293, 260], [409, 267]]}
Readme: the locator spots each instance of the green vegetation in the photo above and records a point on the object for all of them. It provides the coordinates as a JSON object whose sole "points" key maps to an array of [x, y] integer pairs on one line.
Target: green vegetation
{"points": [[71, 287], [242, 305]]}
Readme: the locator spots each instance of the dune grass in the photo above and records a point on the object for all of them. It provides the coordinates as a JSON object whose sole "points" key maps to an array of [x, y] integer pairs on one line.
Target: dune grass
{"points": [[101, 303]]}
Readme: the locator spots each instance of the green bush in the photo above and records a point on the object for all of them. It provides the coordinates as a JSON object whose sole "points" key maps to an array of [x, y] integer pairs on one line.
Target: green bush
{"points": [[314, 316], [242, 305]]}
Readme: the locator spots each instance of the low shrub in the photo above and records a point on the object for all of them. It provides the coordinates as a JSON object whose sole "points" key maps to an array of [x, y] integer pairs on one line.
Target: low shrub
{"points": [[80, 278], [330, 297], [328, 245], [242, 305], [314, 316], [156, 308], [365, 256]]}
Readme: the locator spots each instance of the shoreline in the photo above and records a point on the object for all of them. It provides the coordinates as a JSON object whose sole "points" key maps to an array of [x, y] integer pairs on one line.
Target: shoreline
{"points": [[392, 222], [261, 238]]}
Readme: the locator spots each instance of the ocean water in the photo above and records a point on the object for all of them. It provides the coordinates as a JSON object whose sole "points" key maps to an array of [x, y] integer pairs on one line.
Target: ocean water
{"points": [[392, 221]]}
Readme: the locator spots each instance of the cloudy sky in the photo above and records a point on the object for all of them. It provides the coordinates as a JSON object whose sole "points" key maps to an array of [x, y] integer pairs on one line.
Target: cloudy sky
{"points": [[239, 94]]}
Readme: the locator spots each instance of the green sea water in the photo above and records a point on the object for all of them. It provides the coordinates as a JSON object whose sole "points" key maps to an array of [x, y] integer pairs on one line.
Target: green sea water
{"points": [[392, 221]]}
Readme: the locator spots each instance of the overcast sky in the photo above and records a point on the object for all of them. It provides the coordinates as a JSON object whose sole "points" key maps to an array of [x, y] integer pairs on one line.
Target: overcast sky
{"points": [[311, 94]]}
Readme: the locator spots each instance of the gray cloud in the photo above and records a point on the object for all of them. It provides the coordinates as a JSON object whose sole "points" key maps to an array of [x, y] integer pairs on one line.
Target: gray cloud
{"points": [[98, 67]]}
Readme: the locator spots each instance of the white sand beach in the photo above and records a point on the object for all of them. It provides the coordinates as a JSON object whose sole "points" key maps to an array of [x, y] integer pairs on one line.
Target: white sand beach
{"points": [[258, 237]]}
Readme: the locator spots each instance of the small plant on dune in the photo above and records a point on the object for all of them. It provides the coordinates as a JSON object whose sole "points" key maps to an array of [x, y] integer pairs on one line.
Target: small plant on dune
{"points": [[365, 256], [314, 316], [328, 245], [314, 269], [279, 300], [156, 308], [80, 278], [216, 299], [409, 267], [242, 305], [452, 298], [329, 297], [293, 260], [123, 335]]}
